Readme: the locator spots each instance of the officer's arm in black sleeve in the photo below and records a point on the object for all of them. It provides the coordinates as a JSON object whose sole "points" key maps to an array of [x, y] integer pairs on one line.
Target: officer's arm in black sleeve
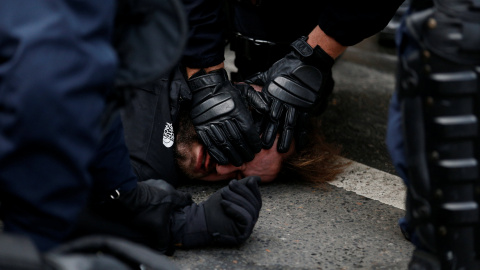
{"points": [[235, 141], [351, 21], [300, 83]]}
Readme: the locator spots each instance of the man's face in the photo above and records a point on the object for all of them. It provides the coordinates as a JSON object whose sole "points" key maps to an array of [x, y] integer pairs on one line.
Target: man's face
{"points": [[195, 162]]}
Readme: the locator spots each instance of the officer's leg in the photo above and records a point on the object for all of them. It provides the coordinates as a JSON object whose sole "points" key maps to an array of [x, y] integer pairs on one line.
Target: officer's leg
{"points": [[439, 90], [56, 63]]}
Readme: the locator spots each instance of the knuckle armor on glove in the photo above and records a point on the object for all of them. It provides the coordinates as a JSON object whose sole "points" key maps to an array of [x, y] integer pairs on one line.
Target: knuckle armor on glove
{"points": [[222, 119], [298, 86]]}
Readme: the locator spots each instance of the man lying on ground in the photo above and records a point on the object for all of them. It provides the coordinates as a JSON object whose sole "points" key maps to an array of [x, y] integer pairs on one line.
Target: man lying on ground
{"points": [[163, 143]]}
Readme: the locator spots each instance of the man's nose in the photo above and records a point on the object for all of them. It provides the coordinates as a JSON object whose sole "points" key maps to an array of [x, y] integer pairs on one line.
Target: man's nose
{"points": [[227, 169]]}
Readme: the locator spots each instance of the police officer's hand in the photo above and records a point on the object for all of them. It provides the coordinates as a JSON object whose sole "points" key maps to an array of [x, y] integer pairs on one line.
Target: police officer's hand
{"points": [[150, 206], [225, 218], [221, 117], [298, 85]]}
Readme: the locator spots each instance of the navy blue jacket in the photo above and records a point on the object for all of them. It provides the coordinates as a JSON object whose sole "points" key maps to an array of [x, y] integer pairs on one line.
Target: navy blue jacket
{"points": [[56, 66]]}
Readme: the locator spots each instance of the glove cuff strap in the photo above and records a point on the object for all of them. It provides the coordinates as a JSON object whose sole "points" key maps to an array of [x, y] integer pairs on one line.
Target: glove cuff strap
{"points": [[313, 56], [208, 80], [302, 47]]}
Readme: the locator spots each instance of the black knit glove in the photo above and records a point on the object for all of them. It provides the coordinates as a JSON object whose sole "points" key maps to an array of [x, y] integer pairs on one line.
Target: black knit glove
{"points": [[221, 117], [225, 218], [149, 207], [298, 85]]}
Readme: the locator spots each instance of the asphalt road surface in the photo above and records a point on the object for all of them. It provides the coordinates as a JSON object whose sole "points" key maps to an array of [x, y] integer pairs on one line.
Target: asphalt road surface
{"points": [[350, 224]]}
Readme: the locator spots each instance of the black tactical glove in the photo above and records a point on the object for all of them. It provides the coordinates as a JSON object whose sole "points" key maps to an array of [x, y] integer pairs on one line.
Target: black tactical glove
{"points": [[148, 208], [221, 117], [225, 218], [298, 85]]}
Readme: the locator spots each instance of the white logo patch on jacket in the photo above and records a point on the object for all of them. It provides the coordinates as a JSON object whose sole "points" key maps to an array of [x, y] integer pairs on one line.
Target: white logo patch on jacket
{"points": [[168, 135]]}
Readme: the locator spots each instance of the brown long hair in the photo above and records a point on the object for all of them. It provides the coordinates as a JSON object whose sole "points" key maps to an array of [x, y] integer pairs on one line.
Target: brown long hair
{"points": [[318, 162]]}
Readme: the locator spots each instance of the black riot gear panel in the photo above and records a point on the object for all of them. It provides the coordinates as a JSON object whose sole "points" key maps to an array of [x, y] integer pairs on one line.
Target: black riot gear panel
{"points": [[439, 87]]}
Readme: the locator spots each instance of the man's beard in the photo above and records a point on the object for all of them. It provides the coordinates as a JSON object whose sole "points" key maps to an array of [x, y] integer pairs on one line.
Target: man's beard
{"points": [[185, 138], [186, 133]]}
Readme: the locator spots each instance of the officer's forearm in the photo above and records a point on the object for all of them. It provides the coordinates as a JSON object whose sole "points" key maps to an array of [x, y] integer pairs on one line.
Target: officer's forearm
{"points": [[327, 43], [191, 71]]}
